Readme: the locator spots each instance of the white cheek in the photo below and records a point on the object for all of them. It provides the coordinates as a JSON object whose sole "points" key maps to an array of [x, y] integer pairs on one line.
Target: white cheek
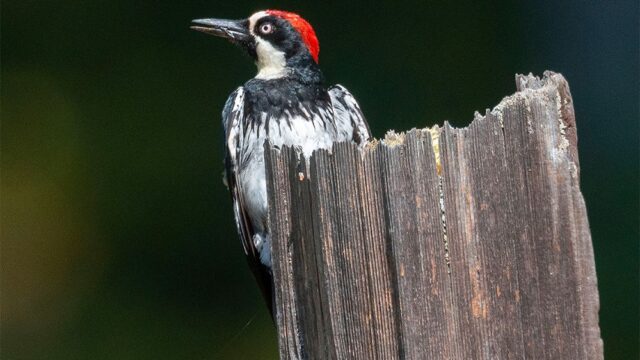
{"points": [[271, 61]]}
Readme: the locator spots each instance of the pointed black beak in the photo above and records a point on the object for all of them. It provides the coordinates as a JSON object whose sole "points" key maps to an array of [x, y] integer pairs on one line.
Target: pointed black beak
{"points": [[234, 30]]}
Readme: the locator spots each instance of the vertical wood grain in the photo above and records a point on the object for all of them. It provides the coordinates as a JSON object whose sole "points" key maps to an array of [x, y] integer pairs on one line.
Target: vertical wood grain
{"points": [[378, 255]]}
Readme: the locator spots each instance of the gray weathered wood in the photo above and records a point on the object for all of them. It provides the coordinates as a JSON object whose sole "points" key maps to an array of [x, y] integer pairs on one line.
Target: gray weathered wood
{"points": [[446, 243]]}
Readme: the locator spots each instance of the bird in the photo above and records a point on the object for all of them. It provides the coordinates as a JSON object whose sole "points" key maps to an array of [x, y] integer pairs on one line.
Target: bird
{"points": [[285, 103]]}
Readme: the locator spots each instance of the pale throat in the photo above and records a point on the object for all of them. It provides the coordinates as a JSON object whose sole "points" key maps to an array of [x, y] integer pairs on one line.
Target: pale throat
{"points": [[271, 62]]}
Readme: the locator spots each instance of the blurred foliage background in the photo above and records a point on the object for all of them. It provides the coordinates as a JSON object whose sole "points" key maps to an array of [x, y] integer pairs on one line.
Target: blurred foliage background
{"points": [[117, 233]]}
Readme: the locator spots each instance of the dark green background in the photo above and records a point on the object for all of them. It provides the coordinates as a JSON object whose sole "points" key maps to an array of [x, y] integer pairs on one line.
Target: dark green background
{"points": [[117, 235]]}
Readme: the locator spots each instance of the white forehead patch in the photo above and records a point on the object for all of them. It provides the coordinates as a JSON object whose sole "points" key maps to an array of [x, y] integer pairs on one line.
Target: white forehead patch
{"points": [[253, 19]]}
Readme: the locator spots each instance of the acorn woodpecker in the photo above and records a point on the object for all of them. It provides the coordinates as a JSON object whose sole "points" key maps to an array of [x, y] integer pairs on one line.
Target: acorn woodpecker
{"points": [[286, 103]]}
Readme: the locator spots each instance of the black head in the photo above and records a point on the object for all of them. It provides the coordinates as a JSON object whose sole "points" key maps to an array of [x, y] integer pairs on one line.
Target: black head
{"points": [[278, 41]]}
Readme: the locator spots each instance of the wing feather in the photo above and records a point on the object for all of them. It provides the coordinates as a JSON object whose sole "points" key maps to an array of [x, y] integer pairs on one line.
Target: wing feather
{"points": [[232, 120], [348, 116]]}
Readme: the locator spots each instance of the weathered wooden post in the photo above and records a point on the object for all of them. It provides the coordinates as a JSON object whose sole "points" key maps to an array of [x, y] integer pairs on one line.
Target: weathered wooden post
{"points": [[443, 243]]}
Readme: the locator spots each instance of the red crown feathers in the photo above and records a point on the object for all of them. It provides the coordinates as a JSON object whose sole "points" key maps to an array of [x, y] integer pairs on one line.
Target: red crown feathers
{"points": [[303, 27]]}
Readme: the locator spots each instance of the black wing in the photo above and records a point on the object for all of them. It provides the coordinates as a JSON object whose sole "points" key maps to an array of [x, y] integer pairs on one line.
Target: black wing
{"points": [[348, 116], [232, 116]]}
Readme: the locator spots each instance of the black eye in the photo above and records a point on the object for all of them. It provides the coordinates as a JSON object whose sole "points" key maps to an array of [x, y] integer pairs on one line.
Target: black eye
{"points": [[266, 28]]}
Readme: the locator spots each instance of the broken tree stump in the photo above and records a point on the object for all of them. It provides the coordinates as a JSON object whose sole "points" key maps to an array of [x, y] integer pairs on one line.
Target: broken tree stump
{"points": [[441, 243]]}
